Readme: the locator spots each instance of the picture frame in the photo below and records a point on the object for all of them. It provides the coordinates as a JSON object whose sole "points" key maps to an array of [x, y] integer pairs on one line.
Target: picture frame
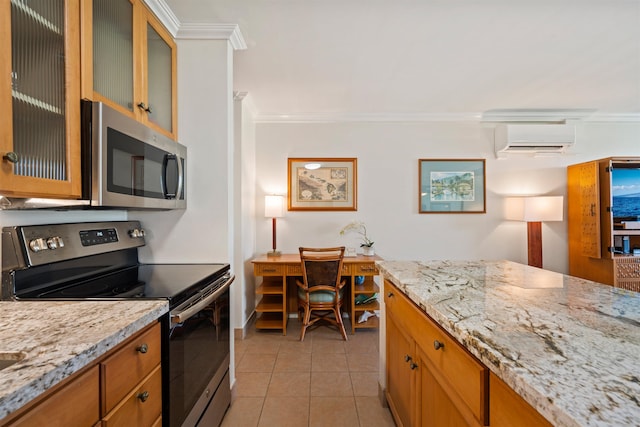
{"points": [[322, 184], [451, 186]]}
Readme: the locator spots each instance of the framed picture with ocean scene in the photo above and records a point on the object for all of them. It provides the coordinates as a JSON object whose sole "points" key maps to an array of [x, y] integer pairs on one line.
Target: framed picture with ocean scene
{"points": [[452, 186]]}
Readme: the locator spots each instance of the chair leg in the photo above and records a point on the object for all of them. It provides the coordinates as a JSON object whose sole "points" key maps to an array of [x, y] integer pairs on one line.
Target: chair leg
{"points": [[305, 322], [340, 323]]}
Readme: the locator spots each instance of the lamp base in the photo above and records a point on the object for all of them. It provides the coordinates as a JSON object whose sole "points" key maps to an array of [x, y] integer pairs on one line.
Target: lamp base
{"points": [[274, 253]]}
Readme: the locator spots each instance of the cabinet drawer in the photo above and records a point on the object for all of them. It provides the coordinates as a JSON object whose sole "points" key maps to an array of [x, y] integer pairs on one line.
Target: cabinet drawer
{"points": [[405, 313], [122, 370], [268, 270], [75, 404], [141, 407], [364, 269]]}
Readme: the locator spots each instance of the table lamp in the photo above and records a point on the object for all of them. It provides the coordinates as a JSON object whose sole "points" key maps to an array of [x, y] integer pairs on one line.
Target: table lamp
{"points": [[534, 210], [273, 208]]}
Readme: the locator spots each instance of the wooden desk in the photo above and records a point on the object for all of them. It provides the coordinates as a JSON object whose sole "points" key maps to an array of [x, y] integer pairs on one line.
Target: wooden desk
{"points": [[279, 295]]}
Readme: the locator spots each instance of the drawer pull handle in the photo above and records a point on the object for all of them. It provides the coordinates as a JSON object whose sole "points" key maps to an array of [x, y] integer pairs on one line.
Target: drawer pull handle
{"points": [[407, 358], [143, 396], [438, 345], [269, 270], [413, 366], [142, 349], [390, 294]]}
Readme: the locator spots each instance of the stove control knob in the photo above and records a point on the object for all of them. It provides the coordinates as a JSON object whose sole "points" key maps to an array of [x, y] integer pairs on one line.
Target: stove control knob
{"points": [[38, 245], [136, 233], [55, 242]]}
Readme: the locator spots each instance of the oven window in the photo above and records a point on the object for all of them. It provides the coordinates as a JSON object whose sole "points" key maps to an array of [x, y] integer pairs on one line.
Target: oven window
{"points": [[197, 349]]}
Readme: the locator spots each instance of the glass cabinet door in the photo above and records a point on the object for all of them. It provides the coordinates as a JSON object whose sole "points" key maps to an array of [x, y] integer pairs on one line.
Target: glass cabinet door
{"points": [[113, 51], [159, 79], [133, 62], [40, 131]]}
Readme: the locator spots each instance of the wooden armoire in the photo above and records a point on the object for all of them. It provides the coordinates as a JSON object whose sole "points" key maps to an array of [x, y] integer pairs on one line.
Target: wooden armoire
{"points": [[601, 243]]}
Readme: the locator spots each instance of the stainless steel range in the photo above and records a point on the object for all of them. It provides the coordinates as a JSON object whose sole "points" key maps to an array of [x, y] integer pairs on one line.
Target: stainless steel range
{"points": [[99, 261]]}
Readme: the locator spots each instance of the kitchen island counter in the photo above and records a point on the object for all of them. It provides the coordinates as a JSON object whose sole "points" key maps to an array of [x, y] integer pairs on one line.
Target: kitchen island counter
{"points": [[568, 346], [60, 338]]}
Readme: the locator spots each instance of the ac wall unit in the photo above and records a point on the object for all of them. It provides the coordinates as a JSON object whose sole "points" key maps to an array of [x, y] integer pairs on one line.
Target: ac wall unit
{"points": [[533, 139]]}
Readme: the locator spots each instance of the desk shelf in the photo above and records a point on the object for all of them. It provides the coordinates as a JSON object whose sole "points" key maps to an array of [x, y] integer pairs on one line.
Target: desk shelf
{"points": [[269, 288], [270, 321], [369, 287], [271, 310]]}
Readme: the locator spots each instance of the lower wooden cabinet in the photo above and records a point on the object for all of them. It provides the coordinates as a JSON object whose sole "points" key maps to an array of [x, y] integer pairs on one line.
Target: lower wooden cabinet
{"points": [[122, 388], [509, 409], [432, 380], [438, 405], [132, 381], [76, 403], [400, 384], [141, 407]]}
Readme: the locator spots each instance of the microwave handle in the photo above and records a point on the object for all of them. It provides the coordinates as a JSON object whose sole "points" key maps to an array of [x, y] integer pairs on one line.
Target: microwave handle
{"points": [[180, 188], [165, 163]]}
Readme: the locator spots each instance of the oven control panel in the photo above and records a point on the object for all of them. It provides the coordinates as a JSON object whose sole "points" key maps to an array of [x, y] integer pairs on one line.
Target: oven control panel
{"points": [[98, 237], [47, 243]]}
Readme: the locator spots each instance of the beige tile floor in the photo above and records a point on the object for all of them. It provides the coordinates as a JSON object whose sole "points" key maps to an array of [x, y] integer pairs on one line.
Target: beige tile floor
{"points": [[322, 381]]}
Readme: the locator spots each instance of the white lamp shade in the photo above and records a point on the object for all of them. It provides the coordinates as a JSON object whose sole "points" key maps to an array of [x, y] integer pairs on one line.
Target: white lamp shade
{"points": [[534, 209], [273, 206]]}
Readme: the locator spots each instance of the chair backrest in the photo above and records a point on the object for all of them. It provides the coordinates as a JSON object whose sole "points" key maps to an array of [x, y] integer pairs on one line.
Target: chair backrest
{"points": [[321, 266]]}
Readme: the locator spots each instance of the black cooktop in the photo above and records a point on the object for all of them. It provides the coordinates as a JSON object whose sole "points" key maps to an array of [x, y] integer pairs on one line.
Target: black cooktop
{"points": [[175, 282]]}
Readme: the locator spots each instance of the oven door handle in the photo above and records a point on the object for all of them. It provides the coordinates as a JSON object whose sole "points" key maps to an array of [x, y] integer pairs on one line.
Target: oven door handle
{"points": [[192, 307]]}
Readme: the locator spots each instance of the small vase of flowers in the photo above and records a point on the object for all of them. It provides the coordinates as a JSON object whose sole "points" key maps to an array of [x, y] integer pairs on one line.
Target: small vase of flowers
{"points": [[360, 228]]}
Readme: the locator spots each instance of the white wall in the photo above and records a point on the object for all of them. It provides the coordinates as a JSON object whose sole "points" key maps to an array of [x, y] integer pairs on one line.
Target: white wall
{"points": [[245, 233], [201, 233], [388, 156]]}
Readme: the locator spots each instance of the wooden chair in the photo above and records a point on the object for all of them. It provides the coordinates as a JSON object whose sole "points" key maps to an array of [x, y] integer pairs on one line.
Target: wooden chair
{"points": [[322, 287]]}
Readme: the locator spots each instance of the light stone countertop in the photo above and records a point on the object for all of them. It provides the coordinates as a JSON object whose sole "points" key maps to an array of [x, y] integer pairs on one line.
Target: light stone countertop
{"points": [[570, 347], [59, 338]]}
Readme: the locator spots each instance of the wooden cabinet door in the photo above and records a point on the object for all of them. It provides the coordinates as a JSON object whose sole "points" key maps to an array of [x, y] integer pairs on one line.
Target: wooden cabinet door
{"points": [[158, 85], [40, 99], [508, 409], [108, 52], [606, 208], [437, 403], [589, 201], [400, 375], [122, 38], [75, 404]]}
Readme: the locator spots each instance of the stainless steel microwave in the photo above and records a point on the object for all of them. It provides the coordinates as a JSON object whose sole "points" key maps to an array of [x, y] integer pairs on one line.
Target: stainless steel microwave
{"points": [[129, 165]]}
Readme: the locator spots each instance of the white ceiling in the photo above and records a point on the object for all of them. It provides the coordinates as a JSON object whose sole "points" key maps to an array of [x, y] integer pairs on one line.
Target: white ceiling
{"points": [[421, 59]]}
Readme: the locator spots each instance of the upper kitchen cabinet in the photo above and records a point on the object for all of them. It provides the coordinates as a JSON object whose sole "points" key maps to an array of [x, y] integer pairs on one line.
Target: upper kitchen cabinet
{"points": [[129, 62], [40, 98]]}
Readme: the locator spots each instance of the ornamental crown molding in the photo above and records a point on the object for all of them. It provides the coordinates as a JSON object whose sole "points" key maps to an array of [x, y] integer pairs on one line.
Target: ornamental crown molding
{"points": [[203, 31], [229, 32], [416, 117], [163, 12]]}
